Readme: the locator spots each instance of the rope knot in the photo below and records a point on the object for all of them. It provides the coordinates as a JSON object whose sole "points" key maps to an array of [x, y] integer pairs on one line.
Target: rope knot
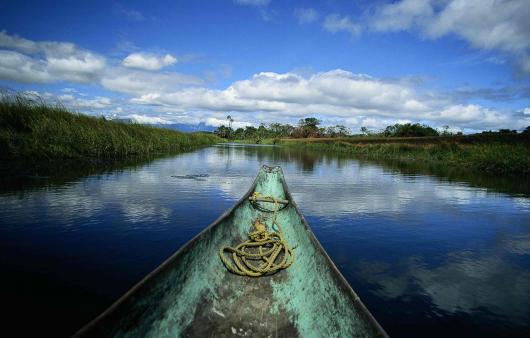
{"points": [[264, 252], [260, 234]]}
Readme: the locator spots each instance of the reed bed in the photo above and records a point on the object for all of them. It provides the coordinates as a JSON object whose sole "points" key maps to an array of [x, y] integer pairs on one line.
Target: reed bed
{"points": [[497, 154], [32, 128]]}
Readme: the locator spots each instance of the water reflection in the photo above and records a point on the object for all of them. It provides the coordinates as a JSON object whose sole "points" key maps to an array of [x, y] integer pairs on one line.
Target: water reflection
{"points": [[427, 253], [24, 175], [466, 282]]}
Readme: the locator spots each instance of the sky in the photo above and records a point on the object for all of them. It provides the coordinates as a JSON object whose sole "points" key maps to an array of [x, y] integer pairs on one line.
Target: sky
{"points": [[458, 63]]}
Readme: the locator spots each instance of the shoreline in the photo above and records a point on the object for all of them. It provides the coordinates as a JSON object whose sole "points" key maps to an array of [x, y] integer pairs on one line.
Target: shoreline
{"points": [[34, 130], [490, 154]]}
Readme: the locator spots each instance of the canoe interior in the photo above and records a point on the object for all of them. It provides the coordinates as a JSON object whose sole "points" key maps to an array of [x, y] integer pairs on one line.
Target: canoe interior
{"points": [[192, 293]]}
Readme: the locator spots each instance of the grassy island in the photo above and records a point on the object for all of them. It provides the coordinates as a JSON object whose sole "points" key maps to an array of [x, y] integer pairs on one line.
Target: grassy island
{"points": [[33, 129]]}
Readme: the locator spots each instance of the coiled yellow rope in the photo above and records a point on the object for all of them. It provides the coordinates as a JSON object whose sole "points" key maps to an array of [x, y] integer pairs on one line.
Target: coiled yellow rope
{"points": [[265, 252]]}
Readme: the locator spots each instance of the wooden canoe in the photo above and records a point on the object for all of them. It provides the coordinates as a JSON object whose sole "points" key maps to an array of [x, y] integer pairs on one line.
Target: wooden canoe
{"points": [[192, 294]]}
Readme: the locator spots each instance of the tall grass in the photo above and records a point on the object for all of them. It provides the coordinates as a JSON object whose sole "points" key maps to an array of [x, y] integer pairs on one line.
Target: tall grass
{"points": [[32, 128], [493, 155]]}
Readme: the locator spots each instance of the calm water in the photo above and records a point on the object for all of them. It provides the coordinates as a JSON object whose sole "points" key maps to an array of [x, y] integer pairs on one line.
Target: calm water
{"points": [[428, 255]]}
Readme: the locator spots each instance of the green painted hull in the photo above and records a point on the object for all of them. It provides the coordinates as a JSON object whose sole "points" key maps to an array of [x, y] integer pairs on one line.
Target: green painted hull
{"points": [[193, 295]]}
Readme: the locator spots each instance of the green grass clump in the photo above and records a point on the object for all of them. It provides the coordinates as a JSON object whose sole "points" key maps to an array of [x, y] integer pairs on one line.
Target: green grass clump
{"points": [[31, 128], [490, 155]]}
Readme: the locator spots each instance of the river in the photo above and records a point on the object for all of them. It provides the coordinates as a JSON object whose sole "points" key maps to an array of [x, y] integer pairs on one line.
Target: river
{"points": [[430, 251]]}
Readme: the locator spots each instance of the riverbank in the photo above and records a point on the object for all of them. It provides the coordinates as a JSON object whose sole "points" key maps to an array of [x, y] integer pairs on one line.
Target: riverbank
{"points": [[488, 153], [492, 154], [36, 130]]}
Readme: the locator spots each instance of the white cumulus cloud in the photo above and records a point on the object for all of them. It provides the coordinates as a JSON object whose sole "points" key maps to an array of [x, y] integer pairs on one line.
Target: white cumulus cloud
{"points": [[337, 96], [145, 119], [49, 61], [148, 61], [137, 82], [30, 61], [21, 68], [500, 25]]}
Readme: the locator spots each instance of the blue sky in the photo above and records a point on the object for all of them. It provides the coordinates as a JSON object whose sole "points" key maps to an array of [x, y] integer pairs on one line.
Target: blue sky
{"points": [[462, 63]]}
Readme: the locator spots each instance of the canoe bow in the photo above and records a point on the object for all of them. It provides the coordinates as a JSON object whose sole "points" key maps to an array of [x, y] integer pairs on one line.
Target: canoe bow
{"points": [[192, 294]]}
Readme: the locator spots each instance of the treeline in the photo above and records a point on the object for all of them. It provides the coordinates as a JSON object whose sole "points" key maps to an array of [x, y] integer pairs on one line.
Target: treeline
{"points": [[310, 128]]}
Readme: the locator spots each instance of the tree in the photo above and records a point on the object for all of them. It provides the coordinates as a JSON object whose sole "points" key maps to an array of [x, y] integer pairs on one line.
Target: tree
{"points": [[262, 131], [342, 130], [337, 131], [309, 122], [278, 129], [308, 127], [223, 131], [330, 131], [365, 131], [410, 130], [527, 130], [230, 120], [446, 131], [390, 130], [250, 132], [238, 133]]}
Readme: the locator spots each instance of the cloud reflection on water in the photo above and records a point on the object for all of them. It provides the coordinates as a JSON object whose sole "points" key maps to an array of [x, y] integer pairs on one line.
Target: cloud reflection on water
{"points": [[461, 247], [465, 282], [323, 185]]}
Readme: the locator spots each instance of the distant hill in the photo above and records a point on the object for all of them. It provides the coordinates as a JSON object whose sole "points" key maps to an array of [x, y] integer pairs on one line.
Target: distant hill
{"points": [[187, 128]]}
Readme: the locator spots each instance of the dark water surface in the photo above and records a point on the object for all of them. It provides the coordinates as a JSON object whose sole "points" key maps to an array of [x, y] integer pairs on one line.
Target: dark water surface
{"points": [[430, 252]]}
